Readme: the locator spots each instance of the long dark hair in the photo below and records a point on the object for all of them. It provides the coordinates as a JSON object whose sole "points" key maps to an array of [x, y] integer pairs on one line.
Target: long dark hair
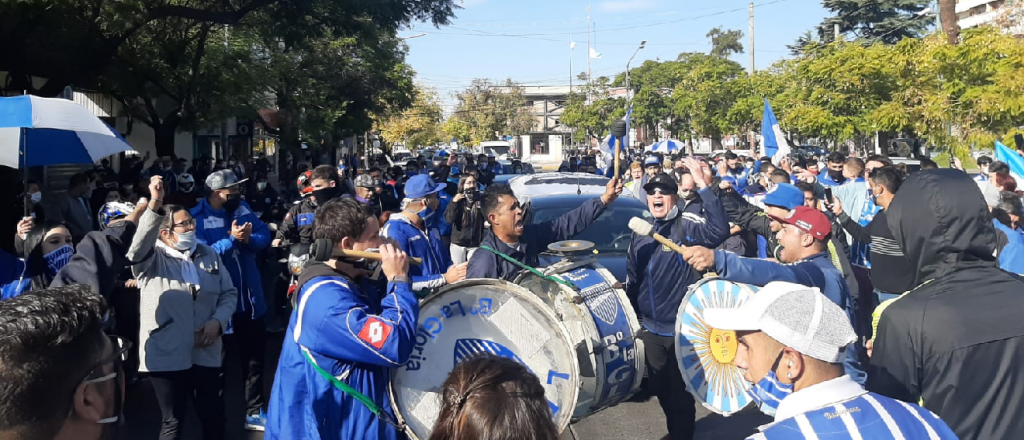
{"points": [[493, 398], [466, 223], [32, 251]]}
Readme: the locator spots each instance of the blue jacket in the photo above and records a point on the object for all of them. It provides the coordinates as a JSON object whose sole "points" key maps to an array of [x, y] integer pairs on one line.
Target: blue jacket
{"points": [[1011, 256], [825, 180], [425, 244], [443, 226], [14, 276], [213, 229], [535, 239], [740, 176], [353, 333], [657, 277], [815, 271]]}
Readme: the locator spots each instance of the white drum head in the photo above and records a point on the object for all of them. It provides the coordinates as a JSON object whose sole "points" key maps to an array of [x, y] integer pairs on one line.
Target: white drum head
{"points": [[478, 316]]}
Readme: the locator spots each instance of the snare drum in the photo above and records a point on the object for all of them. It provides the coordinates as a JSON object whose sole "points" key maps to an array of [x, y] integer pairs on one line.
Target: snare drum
{"points": [[477, 316], [705, 355], [602, 329]]}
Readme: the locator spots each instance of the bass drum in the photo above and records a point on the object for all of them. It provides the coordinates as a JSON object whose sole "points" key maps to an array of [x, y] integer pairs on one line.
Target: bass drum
{"points": [[483, 316], [705, 355], [602, 328]]}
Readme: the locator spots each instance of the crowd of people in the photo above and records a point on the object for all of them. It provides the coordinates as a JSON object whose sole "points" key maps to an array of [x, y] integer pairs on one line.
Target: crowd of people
{"points": [[888, 308]]}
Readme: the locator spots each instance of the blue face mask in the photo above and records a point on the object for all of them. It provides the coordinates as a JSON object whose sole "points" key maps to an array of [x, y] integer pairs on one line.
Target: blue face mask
{"points": [[58, 258], [426, 214], [768, 392]]}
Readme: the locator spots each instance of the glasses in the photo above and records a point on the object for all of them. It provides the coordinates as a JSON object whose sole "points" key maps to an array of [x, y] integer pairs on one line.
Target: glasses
{"points": [[187, 224], [119, 356], [661, 191]]}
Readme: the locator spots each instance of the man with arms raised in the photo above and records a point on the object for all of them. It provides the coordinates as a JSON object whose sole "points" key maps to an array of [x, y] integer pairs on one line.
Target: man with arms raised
{"points": [[524, 243], [791, 343]]}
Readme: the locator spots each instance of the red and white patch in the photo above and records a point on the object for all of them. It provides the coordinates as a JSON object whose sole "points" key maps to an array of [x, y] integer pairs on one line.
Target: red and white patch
{"points": [[375, 332]]}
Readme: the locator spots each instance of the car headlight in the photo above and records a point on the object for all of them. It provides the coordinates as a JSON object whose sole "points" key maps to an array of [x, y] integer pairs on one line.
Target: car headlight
{"points": [[295, 264]]}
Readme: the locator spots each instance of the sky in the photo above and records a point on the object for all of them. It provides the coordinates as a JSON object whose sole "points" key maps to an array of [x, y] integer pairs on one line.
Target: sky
{"points": [[528, 40]]}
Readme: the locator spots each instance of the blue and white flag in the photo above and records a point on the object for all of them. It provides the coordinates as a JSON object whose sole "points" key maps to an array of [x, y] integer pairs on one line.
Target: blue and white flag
{"points": [[1012, 159], [774, 143]]}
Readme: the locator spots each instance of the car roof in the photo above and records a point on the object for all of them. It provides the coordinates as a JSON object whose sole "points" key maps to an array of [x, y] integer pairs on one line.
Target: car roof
{"points": [[561, 199], [528, 186]]}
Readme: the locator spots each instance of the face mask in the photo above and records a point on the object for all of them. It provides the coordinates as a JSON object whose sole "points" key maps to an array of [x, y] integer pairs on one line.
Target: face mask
{"points": [[873, 196], [687, 194], [323, 195], [116, 421], [410, 174], [469, 193], [768, 392], [234, 200], [186, 240], [426, 213], [261, 186], [836, 175], [231, 163], [58, 258], [36, 197]]}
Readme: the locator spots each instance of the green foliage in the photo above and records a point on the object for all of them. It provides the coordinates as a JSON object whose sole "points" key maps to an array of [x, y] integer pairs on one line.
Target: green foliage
{"points": [[706, 93], [419, 125], [874, 21], [725, 43], [488, 110]]}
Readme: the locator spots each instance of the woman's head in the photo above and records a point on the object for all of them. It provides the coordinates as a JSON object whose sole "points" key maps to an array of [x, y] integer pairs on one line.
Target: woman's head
{"points": [[48, 247], [178, 229], [493, 398], [467, 183]]}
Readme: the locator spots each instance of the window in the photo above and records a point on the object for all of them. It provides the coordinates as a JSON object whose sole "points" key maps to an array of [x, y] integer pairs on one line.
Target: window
{"points": [[539, 144]]}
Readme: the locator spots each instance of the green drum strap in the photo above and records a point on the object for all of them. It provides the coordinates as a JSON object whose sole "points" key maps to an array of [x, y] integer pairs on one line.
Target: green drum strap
{"points": [[553, 278]]}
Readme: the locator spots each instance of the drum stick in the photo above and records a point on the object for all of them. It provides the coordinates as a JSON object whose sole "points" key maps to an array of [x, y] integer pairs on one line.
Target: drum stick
{"points": [[338, 253], [619, 132], [641, 227]]}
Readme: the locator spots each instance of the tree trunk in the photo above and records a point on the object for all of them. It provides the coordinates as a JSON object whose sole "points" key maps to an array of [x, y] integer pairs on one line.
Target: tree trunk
{"points": [[947, 14], [164, 134]]}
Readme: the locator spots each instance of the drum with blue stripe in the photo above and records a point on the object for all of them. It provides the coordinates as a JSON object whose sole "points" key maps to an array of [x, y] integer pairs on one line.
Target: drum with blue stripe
{"points": [[472, 317], [602, 327], [705, 355]]}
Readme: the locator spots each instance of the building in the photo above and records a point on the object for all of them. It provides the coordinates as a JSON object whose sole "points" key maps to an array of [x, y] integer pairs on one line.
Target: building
{"points": [[974, 13], [544, 144]]}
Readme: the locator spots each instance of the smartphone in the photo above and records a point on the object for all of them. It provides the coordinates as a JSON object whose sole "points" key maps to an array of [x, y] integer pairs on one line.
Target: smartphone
{"points": [[828, 196]]}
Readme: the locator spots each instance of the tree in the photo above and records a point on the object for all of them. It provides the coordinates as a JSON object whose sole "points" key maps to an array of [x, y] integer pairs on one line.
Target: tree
{"points": [[419, 125], [493, 110], [947, 15], [702, 100], [725, 43], [886, 21]]}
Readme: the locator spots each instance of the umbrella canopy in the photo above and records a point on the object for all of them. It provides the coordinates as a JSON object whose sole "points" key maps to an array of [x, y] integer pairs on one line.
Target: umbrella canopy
{"points": [[53, 131], [667, 146]]}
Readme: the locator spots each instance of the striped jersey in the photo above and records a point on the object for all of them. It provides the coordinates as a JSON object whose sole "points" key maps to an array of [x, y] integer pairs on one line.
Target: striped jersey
{"points": [[842, 409], [860, 253]]}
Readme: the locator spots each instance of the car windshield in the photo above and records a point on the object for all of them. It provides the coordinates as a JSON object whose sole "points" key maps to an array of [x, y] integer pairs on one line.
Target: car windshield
{"points": [[610, 233]]}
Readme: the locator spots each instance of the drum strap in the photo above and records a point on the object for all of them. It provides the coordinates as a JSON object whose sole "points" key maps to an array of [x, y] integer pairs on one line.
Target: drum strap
{"points": [[362, 398], [558, 280]]}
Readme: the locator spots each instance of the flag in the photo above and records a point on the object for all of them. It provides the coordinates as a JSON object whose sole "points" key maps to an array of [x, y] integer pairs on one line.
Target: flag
{"points": [[594, 54], [1012, 159], [774, 144], [608, 146], [572, 45], [454, 144]]}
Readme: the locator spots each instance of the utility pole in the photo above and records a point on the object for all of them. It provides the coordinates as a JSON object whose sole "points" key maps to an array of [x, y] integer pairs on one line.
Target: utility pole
{"points": [[224, 122], [835, 32], [590, 71], [752, 68]]}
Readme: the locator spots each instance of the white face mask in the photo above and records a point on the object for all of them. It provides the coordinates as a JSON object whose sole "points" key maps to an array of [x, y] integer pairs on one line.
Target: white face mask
{"points": [[186, 240], [36, 197]]}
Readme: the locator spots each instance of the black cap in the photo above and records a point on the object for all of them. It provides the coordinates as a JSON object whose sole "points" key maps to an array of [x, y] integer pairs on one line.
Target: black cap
{"points": [[663, 181]]}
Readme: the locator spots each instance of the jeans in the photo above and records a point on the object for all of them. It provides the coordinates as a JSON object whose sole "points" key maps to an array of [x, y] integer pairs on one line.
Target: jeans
{"points": [[461, 254], [668, 385], [250, 338], [204, 385]]}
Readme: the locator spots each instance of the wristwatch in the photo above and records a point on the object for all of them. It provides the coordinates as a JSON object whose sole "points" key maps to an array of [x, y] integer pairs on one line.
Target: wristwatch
{"points": [[400, 279]]}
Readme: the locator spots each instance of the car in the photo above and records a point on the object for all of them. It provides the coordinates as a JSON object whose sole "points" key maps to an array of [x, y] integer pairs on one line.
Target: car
{"points": [[527, 167], [528, 186], [610, 233]]}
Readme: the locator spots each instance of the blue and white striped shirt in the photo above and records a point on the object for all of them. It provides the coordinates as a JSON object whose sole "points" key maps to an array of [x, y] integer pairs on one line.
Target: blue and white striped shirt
{"points": [[860, 253], [841, 409]]}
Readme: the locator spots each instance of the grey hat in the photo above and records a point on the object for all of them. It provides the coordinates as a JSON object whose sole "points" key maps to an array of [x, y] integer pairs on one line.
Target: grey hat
{"points": [[222, 179], [365, 181]]}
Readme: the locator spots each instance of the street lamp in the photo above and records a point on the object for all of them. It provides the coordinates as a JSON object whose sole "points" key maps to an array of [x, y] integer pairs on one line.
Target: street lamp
{"points": [[629, 92]]}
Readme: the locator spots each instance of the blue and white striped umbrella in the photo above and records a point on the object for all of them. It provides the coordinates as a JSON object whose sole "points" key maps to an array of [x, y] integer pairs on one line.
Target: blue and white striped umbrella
{"points": [[667, 146], [53, 131]]}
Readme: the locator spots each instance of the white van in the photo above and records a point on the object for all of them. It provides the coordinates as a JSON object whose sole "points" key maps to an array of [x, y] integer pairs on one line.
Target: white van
{"points": [[501, 150]]}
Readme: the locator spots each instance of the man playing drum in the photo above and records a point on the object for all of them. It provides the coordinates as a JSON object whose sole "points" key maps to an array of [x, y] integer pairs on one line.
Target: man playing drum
{"points": [[656, 281], [344, 337], [791, 343], [524, 243]]}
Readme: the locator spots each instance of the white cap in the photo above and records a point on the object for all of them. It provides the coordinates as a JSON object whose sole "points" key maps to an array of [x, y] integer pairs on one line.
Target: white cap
{"points": [[797, 316]]}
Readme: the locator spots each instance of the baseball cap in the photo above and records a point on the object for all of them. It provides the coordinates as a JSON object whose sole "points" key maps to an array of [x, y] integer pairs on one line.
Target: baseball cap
{"points": [[797, 316], [222, 179], [784, 195], [652, 160], [663, 181], [809, 220], [421, 185], [365, 181]]}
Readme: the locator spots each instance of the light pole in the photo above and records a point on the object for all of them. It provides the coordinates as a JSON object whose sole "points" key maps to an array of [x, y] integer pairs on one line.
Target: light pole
{"points": [[629, 92]]}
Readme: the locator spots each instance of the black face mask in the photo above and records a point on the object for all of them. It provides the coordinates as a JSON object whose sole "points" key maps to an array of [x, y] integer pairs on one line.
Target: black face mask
{"points": [[469, 193], [836, 175], [233, 202], [324, 195]]}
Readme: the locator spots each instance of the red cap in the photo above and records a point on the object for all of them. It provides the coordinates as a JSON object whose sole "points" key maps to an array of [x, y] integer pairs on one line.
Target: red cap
{"points": [[809, 220]]}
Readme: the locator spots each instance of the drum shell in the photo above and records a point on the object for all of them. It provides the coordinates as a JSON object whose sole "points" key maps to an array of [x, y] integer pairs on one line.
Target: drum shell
{"points": [[567, 384], [602, 326]]}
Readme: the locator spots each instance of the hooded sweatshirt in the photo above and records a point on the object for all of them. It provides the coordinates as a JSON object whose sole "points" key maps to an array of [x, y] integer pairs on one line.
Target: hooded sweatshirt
{"points": [[956, 341]]}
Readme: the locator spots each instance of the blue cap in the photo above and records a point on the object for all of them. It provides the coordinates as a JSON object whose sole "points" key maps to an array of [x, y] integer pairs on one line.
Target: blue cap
{"points": [[421, 185], [784, 195], [729, 179], [652, 160]]}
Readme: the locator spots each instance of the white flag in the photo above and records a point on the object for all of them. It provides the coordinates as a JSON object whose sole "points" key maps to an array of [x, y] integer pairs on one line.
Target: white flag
{"points": [[594, 54], [572, 45]]}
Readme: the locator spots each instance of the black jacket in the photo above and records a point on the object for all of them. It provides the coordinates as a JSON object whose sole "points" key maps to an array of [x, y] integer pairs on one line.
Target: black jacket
{"points": [[99, 259], [956, 341], [467, 222], [297, 226]]}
